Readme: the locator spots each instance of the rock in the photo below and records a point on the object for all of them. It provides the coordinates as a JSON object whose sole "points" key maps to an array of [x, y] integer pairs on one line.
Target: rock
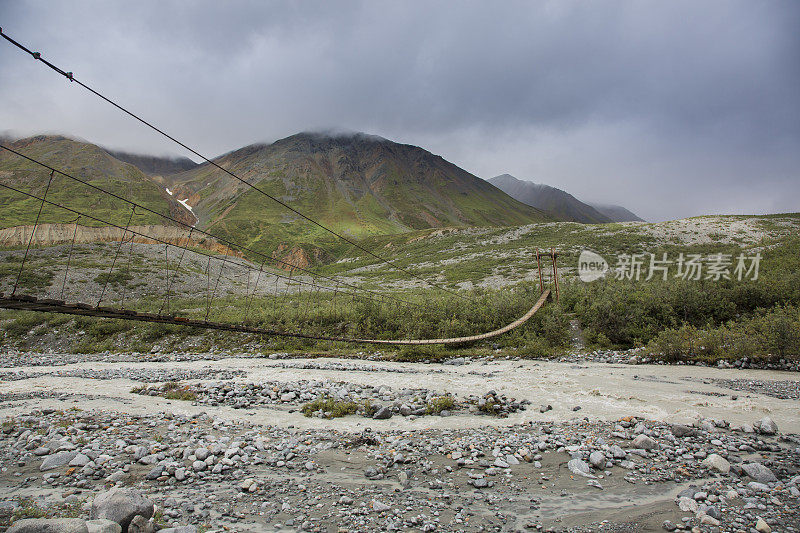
{"points": [[767, 426], [56, 460], [687, 505], [597, 459], [402, 477], [669, 526], [121, 506], [718, 463], [199, 466], [617, 452], [379, 506], [179, 529], [545, 408], [372, 473], [679, 430], [154, 473], [576, 466], [42, 525], [140, 524], [761, 526], [119, 475], [80, 460], [288, 397], [103, 526], [709, 520], [346, 500], [248, 485], [180, 474], [759, 472], [760, 487], [201, 454], [480, 483], [383, 413], [499, 463], [644, 442]]}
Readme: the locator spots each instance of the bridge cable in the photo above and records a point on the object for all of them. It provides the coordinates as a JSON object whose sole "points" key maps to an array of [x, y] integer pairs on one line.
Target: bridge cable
{"points": [[69, 257], [181, 223], [71, 77], [33, 232], [150, 237]]}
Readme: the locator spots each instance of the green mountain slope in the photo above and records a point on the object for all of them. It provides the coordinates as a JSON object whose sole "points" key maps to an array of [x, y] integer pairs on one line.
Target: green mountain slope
{"points": [[358, 185], [558, 203], [88, 163]]}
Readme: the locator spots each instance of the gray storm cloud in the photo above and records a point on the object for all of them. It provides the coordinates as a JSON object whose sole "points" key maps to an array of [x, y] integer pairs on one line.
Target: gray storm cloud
{"points": [[669, 108]]}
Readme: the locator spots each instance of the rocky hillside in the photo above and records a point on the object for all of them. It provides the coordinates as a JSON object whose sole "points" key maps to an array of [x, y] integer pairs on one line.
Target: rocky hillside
{"points": [[357, 184]]}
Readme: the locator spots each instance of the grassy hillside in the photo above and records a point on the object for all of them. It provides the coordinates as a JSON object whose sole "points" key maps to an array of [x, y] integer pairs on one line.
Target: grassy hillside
{"points": [[88, 163], [356, 184]]}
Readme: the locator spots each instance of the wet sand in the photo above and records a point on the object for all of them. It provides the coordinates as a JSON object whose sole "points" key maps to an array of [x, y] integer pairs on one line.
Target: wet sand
{"points": [[604, 392]]}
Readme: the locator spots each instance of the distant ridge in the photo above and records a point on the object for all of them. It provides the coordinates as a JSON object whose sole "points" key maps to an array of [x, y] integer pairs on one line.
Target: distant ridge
{"points": [[617, 213], [153, 165], [558, 203]]}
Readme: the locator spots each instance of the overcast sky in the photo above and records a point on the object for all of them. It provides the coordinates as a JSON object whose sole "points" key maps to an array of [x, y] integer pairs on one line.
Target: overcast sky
{"points": [[670, 108]]}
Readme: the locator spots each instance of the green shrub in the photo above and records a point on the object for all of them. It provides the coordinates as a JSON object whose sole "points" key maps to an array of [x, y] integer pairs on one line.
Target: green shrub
{"points": [[331, 407], [440, 403], [773, 333]]}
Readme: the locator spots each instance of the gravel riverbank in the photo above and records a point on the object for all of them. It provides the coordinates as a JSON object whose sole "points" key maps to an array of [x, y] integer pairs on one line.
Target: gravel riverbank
{"points": [[589, 446]]}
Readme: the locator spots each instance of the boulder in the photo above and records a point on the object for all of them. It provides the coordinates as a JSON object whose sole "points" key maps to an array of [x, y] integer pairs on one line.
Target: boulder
{"points": [[379, 506], [644, 442], [687, 505], [43, 525], [759, 472], [597, 460], [57, 459], [680, 430], [121, 506], [767, 426], [576, 466], [383, 413], [80, 460], [718, 463]]}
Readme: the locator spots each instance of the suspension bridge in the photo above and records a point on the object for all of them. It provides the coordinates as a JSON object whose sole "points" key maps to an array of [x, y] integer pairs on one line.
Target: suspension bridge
{"points": [[263, 274]]}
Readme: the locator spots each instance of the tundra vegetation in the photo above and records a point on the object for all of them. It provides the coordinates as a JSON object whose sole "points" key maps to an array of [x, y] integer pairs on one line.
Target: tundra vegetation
{"points": [[673, 319]]}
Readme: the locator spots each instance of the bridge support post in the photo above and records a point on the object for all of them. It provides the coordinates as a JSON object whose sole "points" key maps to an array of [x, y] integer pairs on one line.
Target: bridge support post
{"points": [[555, 272], [539, 266]]}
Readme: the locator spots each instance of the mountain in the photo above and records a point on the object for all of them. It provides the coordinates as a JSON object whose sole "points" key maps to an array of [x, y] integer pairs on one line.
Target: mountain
{"points": [[617, 213], [558, 203], [86, 162], [153, 165], [356, 184]]}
